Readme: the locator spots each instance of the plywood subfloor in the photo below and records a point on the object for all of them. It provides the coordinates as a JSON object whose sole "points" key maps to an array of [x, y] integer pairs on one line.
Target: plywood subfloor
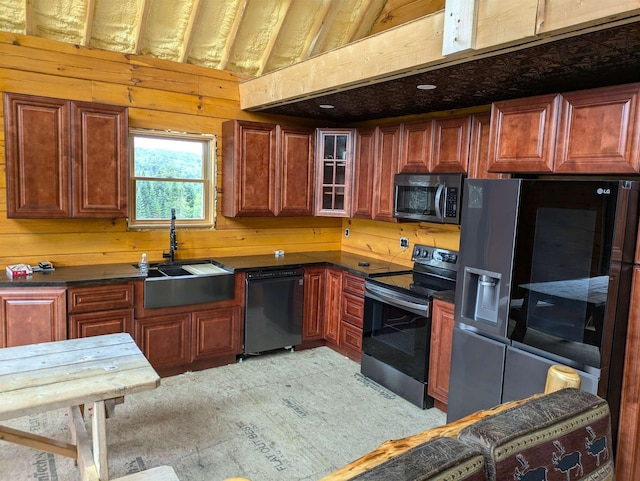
{"points": [[280, 416]]}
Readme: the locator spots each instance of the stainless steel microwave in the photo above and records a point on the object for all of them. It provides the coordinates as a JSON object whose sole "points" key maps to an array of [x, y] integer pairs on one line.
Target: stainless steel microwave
{"points": [[428, 197]]}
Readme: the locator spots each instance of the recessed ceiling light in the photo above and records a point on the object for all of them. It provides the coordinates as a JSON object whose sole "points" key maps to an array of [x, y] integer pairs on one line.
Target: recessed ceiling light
{"points": [[426, 87], [326, 106]]}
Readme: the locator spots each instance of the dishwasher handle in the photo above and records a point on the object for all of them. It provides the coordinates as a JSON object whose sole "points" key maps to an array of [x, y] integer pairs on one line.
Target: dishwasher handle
{"points": [[274, 273]]}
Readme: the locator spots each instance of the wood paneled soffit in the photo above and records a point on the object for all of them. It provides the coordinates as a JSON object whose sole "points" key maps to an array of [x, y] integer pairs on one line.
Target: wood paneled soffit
{"points": [[417, 47]]}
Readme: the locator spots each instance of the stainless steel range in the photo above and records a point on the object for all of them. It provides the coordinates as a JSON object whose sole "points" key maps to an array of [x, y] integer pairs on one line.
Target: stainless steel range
{"points": [[397, 323]]}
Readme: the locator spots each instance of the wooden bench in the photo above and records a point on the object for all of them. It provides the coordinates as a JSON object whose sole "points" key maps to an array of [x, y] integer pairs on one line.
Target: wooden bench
{"points": [[161, 473]]}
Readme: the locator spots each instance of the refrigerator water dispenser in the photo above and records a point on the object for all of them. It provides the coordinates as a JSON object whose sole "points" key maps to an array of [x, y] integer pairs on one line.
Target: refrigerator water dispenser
{"points": [[481, 295]]}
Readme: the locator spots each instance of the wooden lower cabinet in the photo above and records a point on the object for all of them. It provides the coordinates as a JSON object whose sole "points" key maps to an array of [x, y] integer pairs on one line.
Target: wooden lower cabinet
{"points": [[182, 339], [332, 306], [165, 340], [216, 332], [314, 303], [351, 340], [191, 337], [343, 311], [628, 447], [440, 353], [100, 323], [100, 309], [32, 315], [351, 316]]}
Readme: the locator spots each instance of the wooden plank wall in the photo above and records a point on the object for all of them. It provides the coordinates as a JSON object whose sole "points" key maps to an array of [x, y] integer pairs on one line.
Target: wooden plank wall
{"points": [[160, 95]]}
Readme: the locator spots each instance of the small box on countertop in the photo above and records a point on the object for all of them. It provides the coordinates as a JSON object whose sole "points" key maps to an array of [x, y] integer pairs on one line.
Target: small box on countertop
{"points": [[19, 270]]}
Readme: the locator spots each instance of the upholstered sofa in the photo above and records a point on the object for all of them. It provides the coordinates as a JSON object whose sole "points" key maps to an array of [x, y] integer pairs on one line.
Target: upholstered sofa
{"points": [[561, 436]]}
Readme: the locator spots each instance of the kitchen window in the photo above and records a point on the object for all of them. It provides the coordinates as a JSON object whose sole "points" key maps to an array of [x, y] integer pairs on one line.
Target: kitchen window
{"points": [[171, 170]]}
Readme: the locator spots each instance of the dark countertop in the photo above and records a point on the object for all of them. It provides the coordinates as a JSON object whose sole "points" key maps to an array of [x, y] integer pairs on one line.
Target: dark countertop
{"points": [[446, 296], [76, 275], [343, 260], [109, 273]]}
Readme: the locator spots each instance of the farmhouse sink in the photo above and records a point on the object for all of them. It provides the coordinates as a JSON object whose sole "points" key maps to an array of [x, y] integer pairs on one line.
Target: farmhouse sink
{"points": [[187, 283]]}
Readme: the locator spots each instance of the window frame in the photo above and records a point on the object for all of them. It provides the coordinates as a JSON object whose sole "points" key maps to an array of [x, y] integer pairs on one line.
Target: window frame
{"points": [[208, 181]]}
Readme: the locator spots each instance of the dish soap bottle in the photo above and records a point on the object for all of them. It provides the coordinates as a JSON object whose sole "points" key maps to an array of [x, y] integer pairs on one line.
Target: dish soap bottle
{"points": [[144, 265]]}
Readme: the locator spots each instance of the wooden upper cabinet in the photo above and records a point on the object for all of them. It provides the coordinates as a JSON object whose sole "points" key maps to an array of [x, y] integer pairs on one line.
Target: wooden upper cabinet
{"points": [[451, 144], [295, 170], [600, 131], [334, 171], [522, 135], [387, 165], [64, 158], [249, 169], [100, 165], [37, 137], [364, 159], [417, 145], [479, 148]]}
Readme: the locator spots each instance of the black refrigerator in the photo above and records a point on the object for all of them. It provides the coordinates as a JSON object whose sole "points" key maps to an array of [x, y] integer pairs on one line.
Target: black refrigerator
{"points": [[544, 278]]}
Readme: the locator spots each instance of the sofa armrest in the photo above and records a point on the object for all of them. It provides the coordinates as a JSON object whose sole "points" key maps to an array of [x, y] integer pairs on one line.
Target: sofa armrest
{"points": [[559, 436]]}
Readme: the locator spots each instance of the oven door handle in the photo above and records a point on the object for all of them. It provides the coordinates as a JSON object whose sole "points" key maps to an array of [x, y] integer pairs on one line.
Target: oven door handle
{"points": [[380, 294]]}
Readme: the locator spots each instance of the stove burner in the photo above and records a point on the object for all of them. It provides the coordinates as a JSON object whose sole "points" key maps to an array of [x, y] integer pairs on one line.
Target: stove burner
{"points": [[434, 270]]}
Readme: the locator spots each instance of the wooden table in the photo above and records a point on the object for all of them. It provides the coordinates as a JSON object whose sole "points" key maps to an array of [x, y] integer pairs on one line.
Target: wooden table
{"points": [[70, 374]]}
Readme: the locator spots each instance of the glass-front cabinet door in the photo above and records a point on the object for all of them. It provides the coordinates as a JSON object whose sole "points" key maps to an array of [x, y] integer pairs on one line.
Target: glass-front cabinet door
{"points": [[334, 171]]}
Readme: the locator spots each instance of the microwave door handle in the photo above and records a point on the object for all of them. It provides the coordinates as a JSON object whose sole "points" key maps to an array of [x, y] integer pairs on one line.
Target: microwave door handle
{"points": [[438, 201]]}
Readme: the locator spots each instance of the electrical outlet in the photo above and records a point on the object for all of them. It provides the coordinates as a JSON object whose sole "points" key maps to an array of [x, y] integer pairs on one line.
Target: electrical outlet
{"points": [[404, 242], [346, 232]]}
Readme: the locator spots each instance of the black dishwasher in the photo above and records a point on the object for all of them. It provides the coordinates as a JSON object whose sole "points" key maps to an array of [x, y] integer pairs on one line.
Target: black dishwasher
{"points": [[273, 310]]}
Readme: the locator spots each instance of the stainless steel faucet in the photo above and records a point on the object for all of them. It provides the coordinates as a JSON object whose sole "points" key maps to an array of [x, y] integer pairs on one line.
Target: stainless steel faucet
{"points": [[173, 243]]}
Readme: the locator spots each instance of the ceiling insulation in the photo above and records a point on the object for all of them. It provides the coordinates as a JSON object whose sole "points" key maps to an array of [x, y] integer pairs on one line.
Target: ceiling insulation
{"points": [[249, 37]]}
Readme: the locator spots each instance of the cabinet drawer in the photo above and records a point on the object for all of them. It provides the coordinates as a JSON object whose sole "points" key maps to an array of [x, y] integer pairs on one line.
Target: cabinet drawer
{"points": [[100, 298], [350, 337], [100, 323], [352, 309], [353, 284]]}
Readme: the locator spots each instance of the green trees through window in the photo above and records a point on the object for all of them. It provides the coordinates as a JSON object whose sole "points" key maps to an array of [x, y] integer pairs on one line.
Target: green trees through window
{"points": [[171, 172]]}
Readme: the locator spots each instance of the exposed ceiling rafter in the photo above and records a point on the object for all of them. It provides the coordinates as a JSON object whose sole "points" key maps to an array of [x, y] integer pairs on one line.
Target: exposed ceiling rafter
{"points": [[88, 22], [354, 27], [185, 48], [28, 17], [314, 32], [140, 24], [282, 14], [233, 34]]}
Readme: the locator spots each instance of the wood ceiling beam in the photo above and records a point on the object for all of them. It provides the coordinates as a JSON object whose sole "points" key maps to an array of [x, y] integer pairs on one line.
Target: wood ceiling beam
{"points": [[314, 31], [189, 31], [233, 34], [139, 25], [416, 47], [88, 22], [282, 14]]}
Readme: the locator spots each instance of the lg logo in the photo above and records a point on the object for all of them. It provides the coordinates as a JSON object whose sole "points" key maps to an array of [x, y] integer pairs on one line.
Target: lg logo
{"points": [[602, 191]]}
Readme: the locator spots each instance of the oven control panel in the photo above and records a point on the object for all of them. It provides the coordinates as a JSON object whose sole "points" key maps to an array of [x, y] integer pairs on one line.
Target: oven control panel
{"points": [[435, 256]]}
